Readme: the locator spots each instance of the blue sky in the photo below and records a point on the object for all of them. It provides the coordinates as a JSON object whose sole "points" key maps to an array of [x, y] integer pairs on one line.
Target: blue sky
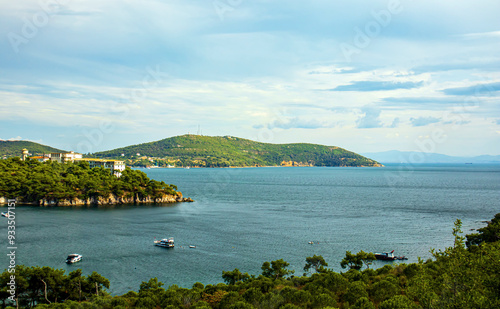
{"points": [[363, 75]]}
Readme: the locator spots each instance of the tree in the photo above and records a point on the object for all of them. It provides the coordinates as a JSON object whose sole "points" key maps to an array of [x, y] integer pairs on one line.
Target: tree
{"points": [[489, 233], [317, 262], [231, 277], [97, 282], [277, 269], [356, 261], [152, 285]]}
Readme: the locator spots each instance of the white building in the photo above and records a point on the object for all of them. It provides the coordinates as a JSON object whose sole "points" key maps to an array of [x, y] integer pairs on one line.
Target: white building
{"points": [[116, 166], [63, 157]]}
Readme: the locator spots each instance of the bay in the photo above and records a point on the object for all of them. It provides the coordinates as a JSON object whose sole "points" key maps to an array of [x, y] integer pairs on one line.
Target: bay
{"points": [[245, 216]]}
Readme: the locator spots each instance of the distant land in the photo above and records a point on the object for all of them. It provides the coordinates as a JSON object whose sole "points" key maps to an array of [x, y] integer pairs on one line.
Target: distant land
{"points": [[229, 151], [14, 148], [413, 157]]}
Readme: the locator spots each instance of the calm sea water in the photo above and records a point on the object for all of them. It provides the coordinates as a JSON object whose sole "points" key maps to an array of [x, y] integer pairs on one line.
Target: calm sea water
{"points": [[244, 217]]}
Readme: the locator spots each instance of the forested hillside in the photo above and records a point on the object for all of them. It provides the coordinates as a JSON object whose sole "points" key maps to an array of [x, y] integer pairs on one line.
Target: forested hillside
{"points": [[207, 151], [15, 148]]}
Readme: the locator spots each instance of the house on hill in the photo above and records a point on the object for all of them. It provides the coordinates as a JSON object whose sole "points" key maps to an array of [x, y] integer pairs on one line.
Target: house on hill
{"points": [[115, 166]]}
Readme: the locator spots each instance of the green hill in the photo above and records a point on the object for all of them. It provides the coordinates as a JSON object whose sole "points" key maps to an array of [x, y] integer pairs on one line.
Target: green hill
{"points": [[207, 151], [15, 148]]}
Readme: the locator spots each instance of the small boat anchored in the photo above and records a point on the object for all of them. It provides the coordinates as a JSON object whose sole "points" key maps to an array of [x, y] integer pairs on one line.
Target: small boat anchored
{"points": [[5, 214], [73, 258], [389, 256], [165, 243], [192, 246]]}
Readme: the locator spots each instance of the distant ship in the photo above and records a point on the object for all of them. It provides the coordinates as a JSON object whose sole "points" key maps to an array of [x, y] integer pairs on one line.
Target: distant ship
{"points": [[73, 258], [165, 243], [389, 256]]}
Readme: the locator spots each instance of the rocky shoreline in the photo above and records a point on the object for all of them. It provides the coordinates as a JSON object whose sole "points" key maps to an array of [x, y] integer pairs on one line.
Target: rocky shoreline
{"points": [[103, 201]]}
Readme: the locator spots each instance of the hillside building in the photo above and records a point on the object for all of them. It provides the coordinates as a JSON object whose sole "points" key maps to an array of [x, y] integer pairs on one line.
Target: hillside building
{"points": [[63, 157], [40, 158], [25, 154], [115, 166]]}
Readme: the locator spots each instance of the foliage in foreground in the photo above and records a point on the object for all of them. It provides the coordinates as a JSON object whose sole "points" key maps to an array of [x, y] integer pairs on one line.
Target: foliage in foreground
{"points": [[31, 181], [458, 277]]}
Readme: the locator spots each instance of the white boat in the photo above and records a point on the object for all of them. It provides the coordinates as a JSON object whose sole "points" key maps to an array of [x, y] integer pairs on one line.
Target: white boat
{"points": [[73, 258], [192, 246], [5, 214], [165, 243]]}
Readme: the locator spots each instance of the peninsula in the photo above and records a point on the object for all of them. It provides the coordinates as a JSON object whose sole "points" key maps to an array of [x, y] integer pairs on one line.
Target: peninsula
{"points": [[76, 183], [229, 151]]}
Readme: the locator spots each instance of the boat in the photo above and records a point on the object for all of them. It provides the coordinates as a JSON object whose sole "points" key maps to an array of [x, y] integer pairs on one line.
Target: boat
{"points": [[389, 256], [73, 258], [385, 256], [5, 214], [165, 242], [311, 242], [192, 246]]}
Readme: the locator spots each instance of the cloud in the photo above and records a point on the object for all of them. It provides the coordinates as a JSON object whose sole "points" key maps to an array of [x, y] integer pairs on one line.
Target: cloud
{"points": [[489, 89], [420, 103], [491, 34], [422, 100], [423, 121], [17, 138], [458, 122], [370, 119], [342, 70], [377, 86], [296, 123], [490, 65], [395, 123]]}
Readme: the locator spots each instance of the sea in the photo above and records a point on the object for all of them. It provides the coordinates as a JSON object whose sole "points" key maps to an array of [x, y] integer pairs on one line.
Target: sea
{"points": [[243, 217]]}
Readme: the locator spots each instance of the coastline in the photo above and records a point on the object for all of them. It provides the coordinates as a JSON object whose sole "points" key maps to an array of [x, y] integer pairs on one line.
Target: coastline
{"points": [[266, 166], [103, 201]]}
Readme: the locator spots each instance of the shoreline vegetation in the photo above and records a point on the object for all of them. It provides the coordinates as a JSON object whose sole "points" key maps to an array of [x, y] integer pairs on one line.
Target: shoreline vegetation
{"points": [[76, 184], [466, 275]]}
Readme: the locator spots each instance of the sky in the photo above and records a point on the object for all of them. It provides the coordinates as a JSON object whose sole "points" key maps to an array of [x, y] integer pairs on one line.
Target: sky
{"points": [[367, 76]]}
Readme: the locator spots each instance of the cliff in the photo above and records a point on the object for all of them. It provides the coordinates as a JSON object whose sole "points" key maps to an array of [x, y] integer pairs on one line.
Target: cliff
{"points": [[101, 201]]}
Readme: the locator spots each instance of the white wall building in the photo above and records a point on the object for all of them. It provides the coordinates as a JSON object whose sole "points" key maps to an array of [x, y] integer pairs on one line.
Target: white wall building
{"points": [[63, 157], [115, 166]]}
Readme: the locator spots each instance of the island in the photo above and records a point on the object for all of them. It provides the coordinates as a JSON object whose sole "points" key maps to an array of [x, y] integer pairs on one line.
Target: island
{"points": [[228, 151], [51, 183]]}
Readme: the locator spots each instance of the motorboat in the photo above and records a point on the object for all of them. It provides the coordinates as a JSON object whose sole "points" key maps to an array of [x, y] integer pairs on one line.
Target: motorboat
{"points": [[73, 258], [165, 243], [385, 256], [192, 246], [389, 256], [5, 214]]}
